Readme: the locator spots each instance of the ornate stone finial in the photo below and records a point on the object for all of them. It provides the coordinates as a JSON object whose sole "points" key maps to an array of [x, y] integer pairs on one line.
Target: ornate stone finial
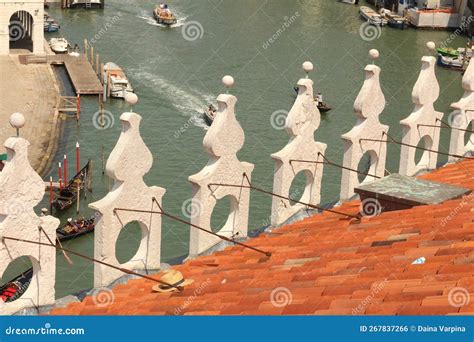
{"points": [[223, 140], [228, 82], [21, 190], [301, 123], [131, 99], [307, 67], [462, 117], [17, 121], [424, 95], [128, 162], [368, 106]]}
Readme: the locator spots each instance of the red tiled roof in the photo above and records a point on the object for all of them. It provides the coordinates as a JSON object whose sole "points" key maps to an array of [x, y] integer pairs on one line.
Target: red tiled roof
{"points": [[327, 264]]}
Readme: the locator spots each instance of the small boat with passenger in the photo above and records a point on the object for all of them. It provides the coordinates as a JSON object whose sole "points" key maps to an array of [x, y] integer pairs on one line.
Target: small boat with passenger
{"points": [[59, 45], [210, 114], [75, 228], [163, 15]]}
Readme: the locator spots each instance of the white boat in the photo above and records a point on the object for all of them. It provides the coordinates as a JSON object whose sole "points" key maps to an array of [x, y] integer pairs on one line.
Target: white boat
{"points": [[119, 84], [371, 16], [59, 45], [350, 2]]}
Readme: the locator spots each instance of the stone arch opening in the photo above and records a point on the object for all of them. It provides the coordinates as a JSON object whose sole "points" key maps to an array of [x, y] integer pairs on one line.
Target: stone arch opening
{"points": [[16, 278], [301, 187], [422, 157], [224, 215], [469, 137], [20, 30], [367, 166], [130, 242]]}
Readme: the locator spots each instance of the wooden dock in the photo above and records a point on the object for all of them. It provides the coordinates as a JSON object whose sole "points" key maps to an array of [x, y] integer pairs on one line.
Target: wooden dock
{"points": [[83, 77]]}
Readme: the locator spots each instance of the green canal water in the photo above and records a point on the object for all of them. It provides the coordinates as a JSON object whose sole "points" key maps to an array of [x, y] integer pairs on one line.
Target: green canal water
{"points": [[175, 78]]}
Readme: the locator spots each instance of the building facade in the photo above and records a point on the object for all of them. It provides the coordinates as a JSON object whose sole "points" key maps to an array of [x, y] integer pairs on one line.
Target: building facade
{"points": [[21, 26]]}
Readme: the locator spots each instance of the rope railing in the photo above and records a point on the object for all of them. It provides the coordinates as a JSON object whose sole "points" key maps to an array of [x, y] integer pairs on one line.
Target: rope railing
{"points": [[446, 126], [175, 218], [327, 162], [417, 147], [121, 269], [250, 186]]}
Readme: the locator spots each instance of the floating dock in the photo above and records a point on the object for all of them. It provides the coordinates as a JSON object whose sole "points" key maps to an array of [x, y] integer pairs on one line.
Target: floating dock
{"points": [[83, 77]]}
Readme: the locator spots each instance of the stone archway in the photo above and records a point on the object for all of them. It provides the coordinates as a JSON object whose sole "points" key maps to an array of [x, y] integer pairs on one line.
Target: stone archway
{"points": [[20, 29]]}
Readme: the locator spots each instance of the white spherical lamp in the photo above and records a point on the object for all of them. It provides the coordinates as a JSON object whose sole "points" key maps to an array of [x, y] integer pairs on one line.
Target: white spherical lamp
{"points": [[308, 66], [374, 54], [17, 121], [431, 46]]}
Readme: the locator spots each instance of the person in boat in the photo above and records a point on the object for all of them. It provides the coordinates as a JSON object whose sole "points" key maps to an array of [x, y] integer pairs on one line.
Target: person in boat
{"points": [[319, 99], [212, 110]]}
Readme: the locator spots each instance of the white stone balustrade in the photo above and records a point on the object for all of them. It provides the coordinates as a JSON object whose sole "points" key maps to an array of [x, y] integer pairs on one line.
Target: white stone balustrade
{"points": [[368, 106], [424, 95], [222, 141], [301, 123], [462, 117], [129, 161], [21, 190]]}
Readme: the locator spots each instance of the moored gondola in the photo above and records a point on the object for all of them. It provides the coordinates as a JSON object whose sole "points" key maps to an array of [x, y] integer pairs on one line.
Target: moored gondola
{"points": [[67, 196], [15, 288]]}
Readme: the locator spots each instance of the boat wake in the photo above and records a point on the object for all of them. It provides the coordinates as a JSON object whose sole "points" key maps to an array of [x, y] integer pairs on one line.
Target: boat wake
{"points": [[188, 102]]}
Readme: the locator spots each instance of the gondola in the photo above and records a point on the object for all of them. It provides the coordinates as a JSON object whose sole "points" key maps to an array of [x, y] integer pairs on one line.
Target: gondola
{"points": [[76, 228], [15, 288], [67, 196]]}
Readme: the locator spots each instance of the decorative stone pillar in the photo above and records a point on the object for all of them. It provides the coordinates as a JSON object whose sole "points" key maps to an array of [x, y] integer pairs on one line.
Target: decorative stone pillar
{"points": [[424, 95], [128, 162], [462, 116], [368, 106], [21, 190], [299, 155], [223, 140]]}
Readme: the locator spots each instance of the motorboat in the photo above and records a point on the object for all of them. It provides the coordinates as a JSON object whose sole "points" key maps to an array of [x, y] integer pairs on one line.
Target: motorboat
{"points": [[210, 114], [59, 45], [372, 17], [163, 15], [117, 81]]}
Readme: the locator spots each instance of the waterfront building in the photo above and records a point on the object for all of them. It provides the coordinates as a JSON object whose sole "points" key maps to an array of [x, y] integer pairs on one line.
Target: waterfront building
{"points": [[21, 26]]}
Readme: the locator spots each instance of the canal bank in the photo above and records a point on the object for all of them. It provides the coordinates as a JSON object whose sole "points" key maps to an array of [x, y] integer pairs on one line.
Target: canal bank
{"points": [[33, 91]]}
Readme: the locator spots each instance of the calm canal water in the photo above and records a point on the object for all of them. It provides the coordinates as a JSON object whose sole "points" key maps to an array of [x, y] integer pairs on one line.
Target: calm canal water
{"points": [[176, 78]]}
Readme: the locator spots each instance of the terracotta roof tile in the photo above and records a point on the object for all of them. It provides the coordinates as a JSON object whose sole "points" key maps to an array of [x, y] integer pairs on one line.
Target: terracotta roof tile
{"points": [[328, 265]]}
